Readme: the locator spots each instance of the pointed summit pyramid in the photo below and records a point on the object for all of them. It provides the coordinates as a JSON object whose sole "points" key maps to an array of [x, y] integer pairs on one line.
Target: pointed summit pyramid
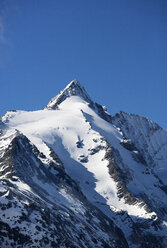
{"points": [[74, 88]]}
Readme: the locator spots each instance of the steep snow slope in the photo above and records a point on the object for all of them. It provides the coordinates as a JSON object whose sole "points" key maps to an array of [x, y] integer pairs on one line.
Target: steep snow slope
{"points": [[117, 162], [149, 138], [42, 207]]}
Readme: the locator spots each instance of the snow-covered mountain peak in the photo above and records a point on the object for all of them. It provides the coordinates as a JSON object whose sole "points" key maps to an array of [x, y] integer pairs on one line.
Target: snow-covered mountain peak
{"points": [[79, 177], [74, 88]]}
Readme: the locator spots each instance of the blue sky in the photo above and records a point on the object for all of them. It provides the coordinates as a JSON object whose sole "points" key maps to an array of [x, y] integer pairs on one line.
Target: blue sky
{"points": [[117, 49]]}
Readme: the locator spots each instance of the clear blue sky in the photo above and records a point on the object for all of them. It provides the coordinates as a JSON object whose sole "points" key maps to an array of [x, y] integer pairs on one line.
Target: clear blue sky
{"points": [[117, 49]]}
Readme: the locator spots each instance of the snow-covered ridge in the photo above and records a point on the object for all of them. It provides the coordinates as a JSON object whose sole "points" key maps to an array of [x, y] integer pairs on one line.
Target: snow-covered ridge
{"points": [[149, 138], [73, 89]]}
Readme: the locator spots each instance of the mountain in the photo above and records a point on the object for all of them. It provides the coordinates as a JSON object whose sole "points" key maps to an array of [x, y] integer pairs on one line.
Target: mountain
{"points": [[72, 175]]}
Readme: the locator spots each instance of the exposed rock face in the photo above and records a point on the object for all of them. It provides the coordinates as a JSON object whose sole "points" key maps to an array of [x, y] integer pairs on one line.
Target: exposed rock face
{"points": [[72, 175]]}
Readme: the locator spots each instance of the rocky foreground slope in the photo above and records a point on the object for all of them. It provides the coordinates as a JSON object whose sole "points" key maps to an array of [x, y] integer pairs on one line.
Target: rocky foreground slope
{"points": [[72, 175]]}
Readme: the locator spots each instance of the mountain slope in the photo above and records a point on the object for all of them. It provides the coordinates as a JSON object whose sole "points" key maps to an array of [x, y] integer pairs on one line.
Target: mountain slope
{"points": [[81, 157], [42, 206]]}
